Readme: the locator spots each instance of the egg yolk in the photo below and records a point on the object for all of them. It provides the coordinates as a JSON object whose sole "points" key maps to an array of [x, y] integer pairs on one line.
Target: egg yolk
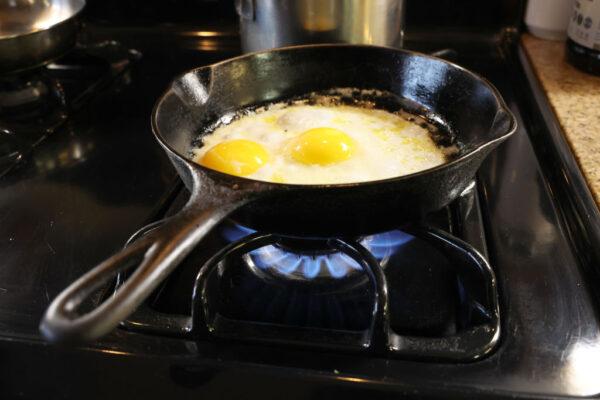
{"points": [[236, 157], [322, 146]]}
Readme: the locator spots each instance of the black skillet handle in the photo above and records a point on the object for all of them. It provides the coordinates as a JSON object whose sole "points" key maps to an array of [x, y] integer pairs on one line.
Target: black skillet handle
{"points": [[158, 254]]}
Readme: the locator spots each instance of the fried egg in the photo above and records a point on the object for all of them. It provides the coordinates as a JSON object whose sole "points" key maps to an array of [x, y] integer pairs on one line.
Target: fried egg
{"points": [[319, 144]]}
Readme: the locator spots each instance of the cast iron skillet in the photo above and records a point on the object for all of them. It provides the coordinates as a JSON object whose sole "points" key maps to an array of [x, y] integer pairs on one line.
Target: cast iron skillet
{"points": [[467, 104]]}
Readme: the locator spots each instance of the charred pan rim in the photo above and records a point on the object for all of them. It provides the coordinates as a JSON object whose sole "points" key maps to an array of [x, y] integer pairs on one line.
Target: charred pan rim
{"points": [[433, 123], [499, 100]]}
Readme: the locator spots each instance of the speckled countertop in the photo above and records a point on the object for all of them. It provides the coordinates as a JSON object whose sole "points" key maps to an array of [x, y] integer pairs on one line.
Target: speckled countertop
{"points": [[575, 97]]}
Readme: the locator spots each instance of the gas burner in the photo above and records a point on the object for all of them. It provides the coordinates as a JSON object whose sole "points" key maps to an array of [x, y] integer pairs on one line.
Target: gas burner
{"points": [[306, 259], [31, 105], [423, 294], [20, 93], [11, 149], [34, 104]]}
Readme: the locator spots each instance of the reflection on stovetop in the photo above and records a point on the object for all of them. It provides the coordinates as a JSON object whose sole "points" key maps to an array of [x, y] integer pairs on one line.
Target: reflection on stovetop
{"points": [[438, 299], [34, 103]]}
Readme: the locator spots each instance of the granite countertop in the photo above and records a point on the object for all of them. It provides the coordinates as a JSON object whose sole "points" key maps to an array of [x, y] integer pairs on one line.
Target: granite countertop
{"points": [[575, 97]]}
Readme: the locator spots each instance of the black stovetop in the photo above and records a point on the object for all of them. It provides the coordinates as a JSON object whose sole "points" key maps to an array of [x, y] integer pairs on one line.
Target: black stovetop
{"points": [[84, 187]]}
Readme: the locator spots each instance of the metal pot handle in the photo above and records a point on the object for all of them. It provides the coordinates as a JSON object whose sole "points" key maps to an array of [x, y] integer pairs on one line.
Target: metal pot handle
{"points": [[160, 252]]}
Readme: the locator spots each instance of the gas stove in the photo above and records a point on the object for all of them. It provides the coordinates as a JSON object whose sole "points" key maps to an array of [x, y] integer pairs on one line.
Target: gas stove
{"points": [[492, 296]]}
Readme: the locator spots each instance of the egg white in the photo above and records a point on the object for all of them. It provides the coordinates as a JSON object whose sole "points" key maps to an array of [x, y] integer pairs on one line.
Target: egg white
{"points": [[386, 145]]}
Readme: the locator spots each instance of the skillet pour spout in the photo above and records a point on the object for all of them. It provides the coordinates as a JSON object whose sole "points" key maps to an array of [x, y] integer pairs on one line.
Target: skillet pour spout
{"points": [[465, 105]]}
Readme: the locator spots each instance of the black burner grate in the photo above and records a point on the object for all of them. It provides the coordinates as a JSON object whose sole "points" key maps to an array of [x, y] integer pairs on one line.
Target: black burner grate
{"points": [[417, 292], [34, 103]]}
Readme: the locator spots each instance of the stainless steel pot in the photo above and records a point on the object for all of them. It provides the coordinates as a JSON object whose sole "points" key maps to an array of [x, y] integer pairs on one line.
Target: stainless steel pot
{"points": [[33, 32], [265, 24]]}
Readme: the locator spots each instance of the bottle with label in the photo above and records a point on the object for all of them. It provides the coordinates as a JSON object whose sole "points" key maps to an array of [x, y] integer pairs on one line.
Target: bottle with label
{"points": [[583, 43]]}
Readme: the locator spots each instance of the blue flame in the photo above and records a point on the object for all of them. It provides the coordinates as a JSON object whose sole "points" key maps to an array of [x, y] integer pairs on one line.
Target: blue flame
{"points": [[383, 245], [234, 233], [309, 266]]}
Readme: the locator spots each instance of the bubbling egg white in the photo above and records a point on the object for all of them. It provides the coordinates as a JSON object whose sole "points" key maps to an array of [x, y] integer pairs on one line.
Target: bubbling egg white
{"points": [[319, 144]]}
